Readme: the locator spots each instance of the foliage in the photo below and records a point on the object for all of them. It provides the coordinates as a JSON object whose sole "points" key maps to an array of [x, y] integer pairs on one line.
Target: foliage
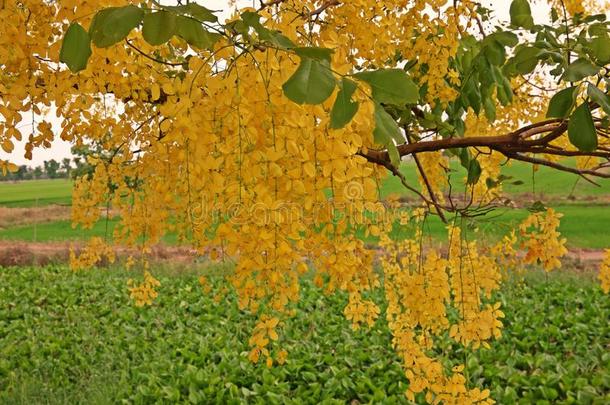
{"points": [[233, 135], [93, 346]]}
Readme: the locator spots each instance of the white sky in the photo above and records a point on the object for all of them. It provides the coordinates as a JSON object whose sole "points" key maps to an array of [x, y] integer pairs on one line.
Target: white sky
{"points": [[61, 149]]}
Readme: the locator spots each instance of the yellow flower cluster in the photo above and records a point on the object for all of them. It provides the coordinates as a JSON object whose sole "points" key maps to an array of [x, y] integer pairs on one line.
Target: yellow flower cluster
{"points": [[92, 254], [7, 167], [264, 331], [434, 165], [541, 239], [505, 254], [420, 286], [145, 292], [360, 311], [573, 7], [205, 284]]}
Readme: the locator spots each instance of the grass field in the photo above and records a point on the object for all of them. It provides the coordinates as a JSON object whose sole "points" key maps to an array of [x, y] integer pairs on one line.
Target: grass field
{"points": [[76, 338], [545, 182], [583, 226], [33, 193], [55, 231]]}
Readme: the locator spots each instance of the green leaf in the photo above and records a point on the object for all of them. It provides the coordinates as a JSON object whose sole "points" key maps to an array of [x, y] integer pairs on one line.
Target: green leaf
{"points": [[554, 15], [538, 206], [464, 157], [199, 12], [490, 109], [277, 39], [75, 48], [600, 48], [521, 14], [495, 53], [391, 86], [504, 90], [599, 97], [159, 27], [252, 19], [386, 131], [562, 103], [526, 59], [595, 17], [471, 96], [194, 10], [194, 34], [581, 129], [506, 38], [598, 29], [580, 69], [315, 53], [344, 108], [113, 24], [312, 83], [474, 172], [385, 126]]}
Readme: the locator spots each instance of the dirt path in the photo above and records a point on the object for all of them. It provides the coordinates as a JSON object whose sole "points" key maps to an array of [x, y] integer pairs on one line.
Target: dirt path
{"points": [[15, 253], [16, 216]]}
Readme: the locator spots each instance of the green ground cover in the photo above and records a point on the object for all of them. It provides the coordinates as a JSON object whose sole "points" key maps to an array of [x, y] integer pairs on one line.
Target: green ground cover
{"points": [[76, 338], [33, 193]]}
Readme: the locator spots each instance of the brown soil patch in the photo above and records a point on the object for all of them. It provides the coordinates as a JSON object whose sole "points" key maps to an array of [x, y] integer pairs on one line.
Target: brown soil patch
{"points": [[15, 216], [13, 253]]}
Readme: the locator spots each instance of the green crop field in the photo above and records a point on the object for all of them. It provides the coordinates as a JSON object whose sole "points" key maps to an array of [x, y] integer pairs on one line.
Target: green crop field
{"points": [[77, 338], [33, 193]]}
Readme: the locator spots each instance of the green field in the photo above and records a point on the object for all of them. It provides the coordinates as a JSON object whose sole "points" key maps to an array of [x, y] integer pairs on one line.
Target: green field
{"points": [[33, 193], [55, 231], [583, 226], [545, 182], [76, 338]]}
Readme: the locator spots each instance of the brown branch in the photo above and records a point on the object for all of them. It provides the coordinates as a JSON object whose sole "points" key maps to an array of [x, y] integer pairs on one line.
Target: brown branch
{"points": [[580, 172], [422, 172], [480, 25], [396, 172], [521, 144], [269, 4], [323, 7]]}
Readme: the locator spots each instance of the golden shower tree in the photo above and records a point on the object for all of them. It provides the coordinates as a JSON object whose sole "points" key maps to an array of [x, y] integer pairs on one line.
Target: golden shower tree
{"points": [[263, 140]]}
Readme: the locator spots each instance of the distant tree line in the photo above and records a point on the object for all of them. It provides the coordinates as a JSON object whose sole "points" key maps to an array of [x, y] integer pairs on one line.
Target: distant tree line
{"points": [[53, 169]]}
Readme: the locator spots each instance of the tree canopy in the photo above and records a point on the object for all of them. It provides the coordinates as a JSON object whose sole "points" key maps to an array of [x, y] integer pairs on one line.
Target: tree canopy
{"points": [[262, 140]]}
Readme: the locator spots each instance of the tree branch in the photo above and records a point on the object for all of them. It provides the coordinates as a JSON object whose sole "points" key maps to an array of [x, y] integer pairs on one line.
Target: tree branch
{"points": [[521, 144]]}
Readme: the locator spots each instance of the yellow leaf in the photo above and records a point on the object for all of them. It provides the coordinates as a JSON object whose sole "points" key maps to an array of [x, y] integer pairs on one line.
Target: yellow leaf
{"points": [[155, 92], [309, 169]]}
